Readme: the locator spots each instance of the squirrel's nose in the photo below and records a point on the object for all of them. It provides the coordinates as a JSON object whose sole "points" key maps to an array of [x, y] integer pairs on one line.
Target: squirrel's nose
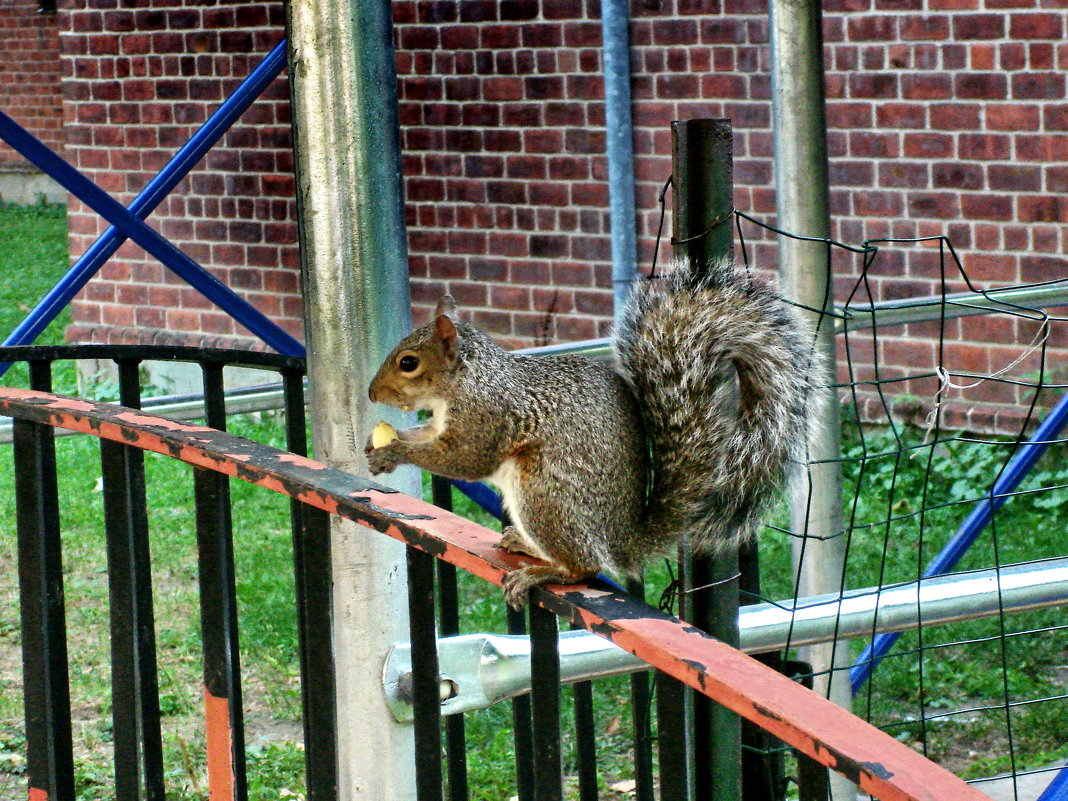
{"points": [[372, 394]]}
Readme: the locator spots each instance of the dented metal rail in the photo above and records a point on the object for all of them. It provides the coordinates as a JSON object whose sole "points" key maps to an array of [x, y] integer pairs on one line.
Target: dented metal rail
{"points": [[877, 763]]}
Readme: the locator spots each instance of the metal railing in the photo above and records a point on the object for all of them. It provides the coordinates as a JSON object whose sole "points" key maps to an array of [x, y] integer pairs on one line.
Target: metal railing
{"points": [[876, 762]]}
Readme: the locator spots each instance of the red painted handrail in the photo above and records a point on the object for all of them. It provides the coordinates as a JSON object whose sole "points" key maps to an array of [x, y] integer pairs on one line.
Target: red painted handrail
{"points": [[876, 762]]}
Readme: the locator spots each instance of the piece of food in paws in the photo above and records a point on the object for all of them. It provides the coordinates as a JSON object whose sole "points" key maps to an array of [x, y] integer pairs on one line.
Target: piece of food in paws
{"points": [[383, 434]]}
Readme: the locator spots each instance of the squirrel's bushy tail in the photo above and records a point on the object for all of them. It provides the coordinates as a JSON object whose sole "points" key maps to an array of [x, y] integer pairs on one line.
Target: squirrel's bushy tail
{"points": [[724, 371]]}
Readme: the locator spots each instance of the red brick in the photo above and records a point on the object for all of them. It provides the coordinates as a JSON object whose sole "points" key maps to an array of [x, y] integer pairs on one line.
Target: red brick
{"points": [[895, 115], [1038, 86], [1046, 208], [926, 87], [984, 146], [978, 26], [924, 28], [903, 174], [981, 86], [878, 204], [1015, 177], [1036, 26], [937, 205], [957, 175], [1041, 148], [986, 207], [877, 85], [928, 145]]}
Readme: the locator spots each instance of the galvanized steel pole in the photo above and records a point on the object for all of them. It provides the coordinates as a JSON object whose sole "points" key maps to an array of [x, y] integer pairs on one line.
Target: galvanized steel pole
{"points": [[802, 207], [619, 144], [356, 306]]}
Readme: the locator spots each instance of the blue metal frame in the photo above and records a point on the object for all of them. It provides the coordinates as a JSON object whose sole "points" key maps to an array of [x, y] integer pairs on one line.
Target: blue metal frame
{"points": [[1058, 788], [128, 223]]}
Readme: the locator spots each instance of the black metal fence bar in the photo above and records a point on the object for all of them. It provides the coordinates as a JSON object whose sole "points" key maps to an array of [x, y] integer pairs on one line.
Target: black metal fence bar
{"points": [[218, 619], [585, 740], [641, 720], [218, 613], [314, 596], [134, 680], [522, 736], [545, 703], [671, 738], [46, 693], [314, 592], [426, 701], [449, 625]]}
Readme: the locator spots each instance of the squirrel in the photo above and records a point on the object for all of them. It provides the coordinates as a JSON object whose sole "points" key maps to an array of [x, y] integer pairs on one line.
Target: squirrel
{"points": [[698, 430]]}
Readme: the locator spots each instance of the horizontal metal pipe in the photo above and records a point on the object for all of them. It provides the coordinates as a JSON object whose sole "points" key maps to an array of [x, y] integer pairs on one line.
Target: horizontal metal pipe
{"points": [[480, 669], [881, 315], [960, 304]]}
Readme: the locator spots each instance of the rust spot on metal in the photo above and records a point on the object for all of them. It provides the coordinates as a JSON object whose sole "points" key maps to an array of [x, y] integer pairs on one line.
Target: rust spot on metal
{"points": [[303, 461], [136, 418], [219, 747]]}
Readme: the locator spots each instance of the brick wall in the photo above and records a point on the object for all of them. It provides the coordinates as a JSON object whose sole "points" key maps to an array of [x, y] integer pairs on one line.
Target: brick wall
{"points": [[29, 75], [136, 83], [946, 117]]}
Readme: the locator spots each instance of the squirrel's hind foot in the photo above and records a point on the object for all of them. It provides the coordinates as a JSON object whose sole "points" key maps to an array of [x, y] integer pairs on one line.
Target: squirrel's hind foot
{"points": [[518, 584]]}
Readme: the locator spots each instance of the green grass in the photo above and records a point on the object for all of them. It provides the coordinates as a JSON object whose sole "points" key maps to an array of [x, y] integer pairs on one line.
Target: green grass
{"points": [[972, 673], [33, 257]]}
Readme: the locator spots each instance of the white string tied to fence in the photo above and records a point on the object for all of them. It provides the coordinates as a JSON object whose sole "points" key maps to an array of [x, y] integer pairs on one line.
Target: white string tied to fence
{"points": [[947, 383]]}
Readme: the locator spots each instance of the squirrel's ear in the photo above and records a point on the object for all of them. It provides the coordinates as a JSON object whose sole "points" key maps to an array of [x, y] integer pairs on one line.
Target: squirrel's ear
{"points": [[446, 306], [445, 331]]}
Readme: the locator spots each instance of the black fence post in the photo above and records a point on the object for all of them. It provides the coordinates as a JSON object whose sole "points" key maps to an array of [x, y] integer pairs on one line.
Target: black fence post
{"points": [[218, 610], [426, 678], [134, 680], [545, 703], [702, 167], [46, 693], [641, 702], [449, 626]]}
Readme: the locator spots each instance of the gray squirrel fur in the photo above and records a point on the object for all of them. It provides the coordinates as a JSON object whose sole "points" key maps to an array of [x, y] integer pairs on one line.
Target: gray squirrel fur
{"points": [[715, 386]]}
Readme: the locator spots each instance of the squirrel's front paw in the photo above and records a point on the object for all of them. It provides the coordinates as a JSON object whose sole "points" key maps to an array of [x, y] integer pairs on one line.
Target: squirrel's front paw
{"points": [[383, 460]]}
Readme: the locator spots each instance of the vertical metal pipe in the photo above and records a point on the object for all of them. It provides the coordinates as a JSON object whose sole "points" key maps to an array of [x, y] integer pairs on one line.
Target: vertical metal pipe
{"points": [[619, 135], [585, 740], [802, 206], [354, 267]]}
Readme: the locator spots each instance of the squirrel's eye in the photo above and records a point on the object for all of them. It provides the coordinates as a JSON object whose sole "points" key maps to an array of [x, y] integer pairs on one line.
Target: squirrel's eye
{"points": [[408, 363]]}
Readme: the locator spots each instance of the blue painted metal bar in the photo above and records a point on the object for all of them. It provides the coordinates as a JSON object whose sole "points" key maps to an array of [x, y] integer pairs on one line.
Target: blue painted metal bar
{"points": [[1058, 788], [86, 266], [958, 545], [484, 496]]}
